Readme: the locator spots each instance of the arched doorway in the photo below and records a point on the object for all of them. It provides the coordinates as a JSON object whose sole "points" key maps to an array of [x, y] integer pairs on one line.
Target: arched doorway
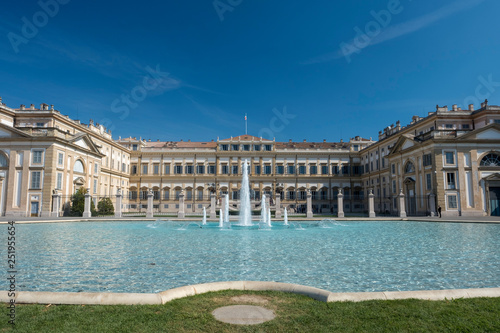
{"points": [[491, 162]]}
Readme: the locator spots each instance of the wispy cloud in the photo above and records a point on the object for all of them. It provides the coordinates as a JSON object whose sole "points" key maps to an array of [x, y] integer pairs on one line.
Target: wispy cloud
{"points": [[398, 30]]}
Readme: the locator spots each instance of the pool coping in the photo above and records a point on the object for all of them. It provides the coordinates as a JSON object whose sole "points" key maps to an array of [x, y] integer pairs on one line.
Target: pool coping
{"points": [[101, 298]]}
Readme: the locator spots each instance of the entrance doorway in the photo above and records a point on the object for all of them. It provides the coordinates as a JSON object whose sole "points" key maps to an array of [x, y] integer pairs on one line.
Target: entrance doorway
{"points": [[495, 201], [34, 208]]}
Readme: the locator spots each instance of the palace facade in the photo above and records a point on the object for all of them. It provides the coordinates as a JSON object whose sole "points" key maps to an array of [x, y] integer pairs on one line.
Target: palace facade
{"points": [[449, 159]]}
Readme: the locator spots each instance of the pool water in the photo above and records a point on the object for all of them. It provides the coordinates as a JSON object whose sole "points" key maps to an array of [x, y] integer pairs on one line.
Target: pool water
{"points": [[147, 257]]}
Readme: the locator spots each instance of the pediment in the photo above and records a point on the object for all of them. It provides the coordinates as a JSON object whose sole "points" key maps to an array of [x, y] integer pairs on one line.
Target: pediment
{"points": [[82, 144], [495, 176], [84, 141], [490, 132], [11, 132], [403, 143]]}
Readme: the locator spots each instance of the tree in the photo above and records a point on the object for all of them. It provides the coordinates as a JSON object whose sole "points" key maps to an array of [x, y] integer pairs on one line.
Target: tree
{"points": [[105, 207], [78, 203]]}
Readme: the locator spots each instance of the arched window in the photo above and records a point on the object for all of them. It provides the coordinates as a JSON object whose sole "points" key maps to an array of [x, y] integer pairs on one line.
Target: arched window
{"points": [[491, 160], [3, 161], [78, 167], [409, 168]]}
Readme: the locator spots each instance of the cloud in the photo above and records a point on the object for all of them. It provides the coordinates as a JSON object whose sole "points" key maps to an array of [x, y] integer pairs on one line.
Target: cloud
{"points": [[398, 30]]}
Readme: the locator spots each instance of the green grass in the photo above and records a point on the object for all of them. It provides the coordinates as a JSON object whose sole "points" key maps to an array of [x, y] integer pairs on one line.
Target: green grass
{"points": [[294, 313]]}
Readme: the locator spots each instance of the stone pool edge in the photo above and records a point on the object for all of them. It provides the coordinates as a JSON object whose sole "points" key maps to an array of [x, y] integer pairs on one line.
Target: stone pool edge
{"points": [[39, 297]]}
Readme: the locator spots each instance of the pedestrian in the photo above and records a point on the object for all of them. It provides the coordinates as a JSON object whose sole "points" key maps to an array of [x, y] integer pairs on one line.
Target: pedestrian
{"points": [[439, 211]]}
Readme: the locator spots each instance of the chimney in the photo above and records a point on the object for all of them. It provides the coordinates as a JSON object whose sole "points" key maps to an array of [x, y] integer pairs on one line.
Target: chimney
{"points": [[52, 107], [471, 107], [324, 140], [341, 141], [189, 140], [455, 107], [305, 140], [22, 107], [32, 107], [290, 140]]}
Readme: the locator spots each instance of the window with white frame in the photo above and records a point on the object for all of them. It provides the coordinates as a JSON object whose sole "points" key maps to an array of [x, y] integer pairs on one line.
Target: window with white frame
{"points": [[36, 179], [428, 181], [450, 180], [452, 201], [449, 158], [59, 181], [60, 159], [37, 157]]}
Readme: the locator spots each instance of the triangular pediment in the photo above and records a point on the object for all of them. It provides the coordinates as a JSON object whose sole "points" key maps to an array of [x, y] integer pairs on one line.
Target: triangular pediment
{"points": [[11, 132], [490, 132], [495, 176], [84, 141], [403, 143]]}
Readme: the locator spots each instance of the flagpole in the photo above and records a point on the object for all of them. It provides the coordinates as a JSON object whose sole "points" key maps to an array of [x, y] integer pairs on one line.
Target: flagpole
{"points": [[246, 125]]}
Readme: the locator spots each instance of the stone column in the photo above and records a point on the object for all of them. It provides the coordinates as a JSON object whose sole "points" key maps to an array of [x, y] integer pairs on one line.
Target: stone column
{"points": [[86, 210], [56, 204], [432, 204], [340, 204], [149, 212], [309, 204], [401, 206], [371, 204], [181, 214], [213, 212], [118, 205], [278, 206]]}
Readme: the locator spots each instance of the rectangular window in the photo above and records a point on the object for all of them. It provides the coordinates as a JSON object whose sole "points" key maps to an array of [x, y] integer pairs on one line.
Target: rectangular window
{"points": [[200, 169], [189, 169], [156, 195], [324, 169], [393, 168], [267, 169], [59, 181], [448, 126], [313, 170], [428, 181], [166, 194], [211, 169], [323, 195], [452, 202], [335, 169], [394, 187], [234, 170], [427, 160], [124, 168], [224, 147], [314, 195], [178, 169], [302, 195], [167, 169], [95, 186], [302, 169], [37, 157], [133, 195], [134, 147], [450, 180], [256, 147], [225, 169], [144, 169], [189, 195], [35, 179], [345, 170], [200, 194], [450, 157], [356, 147], [156, 169], [269, 147], [465, 126], [257, 169], [280, 170], [234, 195], [134, 169], [235, 147], [60, 159], [246, 147], [291, 169], [291, 195]]}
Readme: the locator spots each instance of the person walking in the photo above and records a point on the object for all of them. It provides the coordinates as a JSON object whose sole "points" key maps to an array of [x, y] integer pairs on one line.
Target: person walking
{"points": [[439, 211]]}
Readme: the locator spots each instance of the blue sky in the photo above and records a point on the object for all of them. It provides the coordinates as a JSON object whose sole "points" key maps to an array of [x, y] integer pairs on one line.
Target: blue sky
{"points": [[174, 70]]}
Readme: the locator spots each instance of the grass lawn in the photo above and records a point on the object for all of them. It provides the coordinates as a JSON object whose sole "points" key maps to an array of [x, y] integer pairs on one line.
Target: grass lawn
{"points": [[294, 313]]}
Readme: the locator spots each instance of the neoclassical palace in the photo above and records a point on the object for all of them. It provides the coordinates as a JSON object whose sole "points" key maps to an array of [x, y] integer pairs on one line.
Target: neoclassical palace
{"points": [[448, 159]]}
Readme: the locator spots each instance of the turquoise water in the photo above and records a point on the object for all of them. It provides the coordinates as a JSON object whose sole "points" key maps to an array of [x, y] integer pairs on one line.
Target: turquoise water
{"points": [[341, 257]]}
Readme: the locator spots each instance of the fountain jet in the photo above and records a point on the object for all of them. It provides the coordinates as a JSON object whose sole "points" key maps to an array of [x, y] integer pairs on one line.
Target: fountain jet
{"points": [[245, 212]]}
